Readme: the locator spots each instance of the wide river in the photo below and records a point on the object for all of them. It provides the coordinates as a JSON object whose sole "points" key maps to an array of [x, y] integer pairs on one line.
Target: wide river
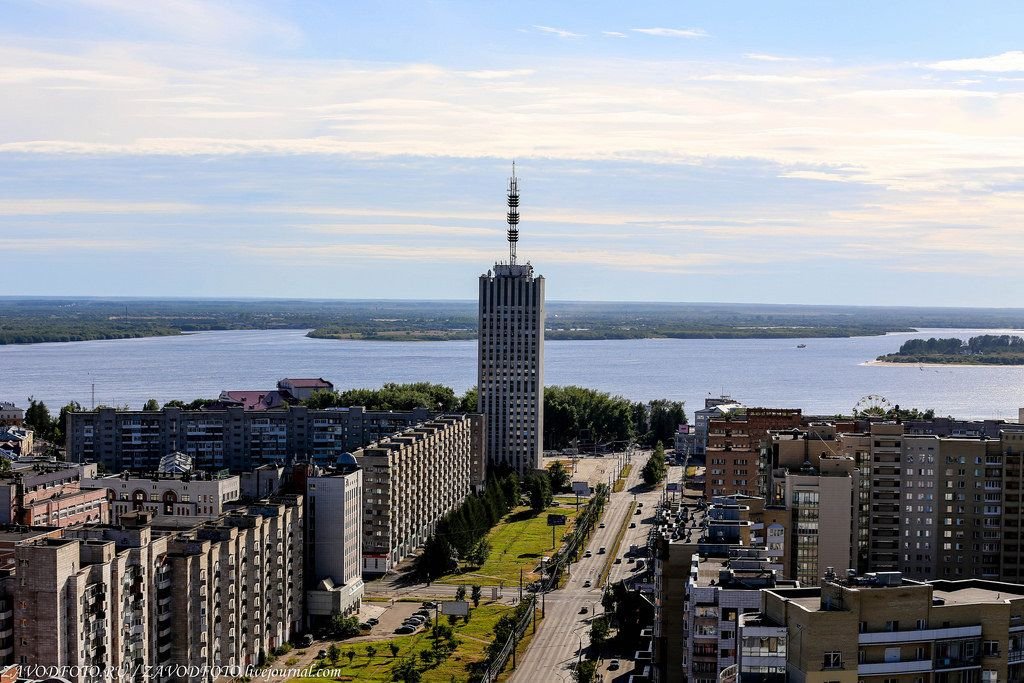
{"points": [[828, 376]]}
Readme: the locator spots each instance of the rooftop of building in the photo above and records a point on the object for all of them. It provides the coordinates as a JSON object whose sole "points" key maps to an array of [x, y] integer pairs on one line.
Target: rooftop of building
{"points": [[14, 533], [974, 591], [254, 399], [195, 475], [306, 382]]}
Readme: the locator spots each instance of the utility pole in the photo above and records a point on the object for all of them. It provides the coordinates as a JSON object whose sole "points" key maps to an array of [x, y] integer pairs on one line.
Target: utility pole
{"points": [[521, 574]]}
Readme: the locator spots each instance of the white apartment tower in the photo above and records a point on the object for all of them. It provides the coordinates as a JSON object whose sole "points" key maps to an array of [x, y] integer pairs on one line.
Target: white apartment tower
{"points": [[510, 380]]}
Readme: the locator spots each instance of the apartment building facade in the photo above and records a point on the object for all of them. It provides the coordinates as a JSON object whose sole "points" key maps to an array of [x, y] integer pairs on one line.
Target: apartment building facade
{"points": [[46, 493], [196, 496], [11, 415], [884, 627], [818, 486], [410, 480], [733, 456], [117, 598], [689, 642], [334, 539], [719, 591], [231, 438]]}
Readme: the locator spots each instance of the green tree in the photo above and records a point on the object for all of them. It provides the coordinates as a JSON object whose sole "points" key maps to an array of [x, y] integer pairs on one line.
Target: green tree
{"points": [[655, 470], [344, 627], [407, 672], [394, 649], [570, 411], [351, 654], [585, 671], [468, 402], [539, 489], [665, 418], [478, 555], [475, 595], [333, 653], [63, 421], [460, 593], [371, 651], [560, 478], [599, 631], [37, 416], [151, 404]]}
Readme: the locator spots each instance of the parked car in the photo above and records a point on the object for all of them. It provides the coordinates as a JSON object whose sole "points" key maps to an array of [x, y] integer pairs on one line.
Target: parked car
{"points": [[430, 605], [365, 626], [613, 665], [322, 654], [601, 525], [373, 621], [587, 584], [306, 640], [583, 610], [405, 629], [618, 560], [588, 554], [637, 511], [601, 550], [632, 525], [423, 613]]}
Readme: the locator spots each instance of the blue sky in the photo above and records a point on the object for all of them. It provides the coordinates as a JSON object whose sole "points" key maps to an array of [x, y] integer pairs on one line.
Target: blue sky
{"points": [[810, 152]]}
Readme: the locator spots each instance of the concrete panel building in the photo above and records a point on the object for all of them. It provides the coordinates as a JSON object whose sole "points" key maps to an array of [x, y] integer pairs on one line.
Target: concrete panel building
{"points": [[232, 438], [39, 492], [410, 480], [197, 496], [510, 356], [334, 540], [883, 627], [132, 595], [734, 453]]}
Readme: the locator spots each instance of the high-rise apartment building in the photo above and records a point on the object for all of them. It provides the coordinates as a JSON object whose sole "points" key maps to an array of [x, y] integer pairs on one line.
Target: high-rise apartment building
{"points": [[883, 627], [228, 438], [818, 485], [410, 480], [334, 539], [112, 599], [510, 380], [734, 462]]}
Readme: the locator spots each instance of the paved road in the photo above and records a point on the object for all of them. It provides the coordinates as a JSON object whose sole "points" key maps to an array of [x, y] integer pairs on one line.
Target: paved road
{"points": [[564, 631]]}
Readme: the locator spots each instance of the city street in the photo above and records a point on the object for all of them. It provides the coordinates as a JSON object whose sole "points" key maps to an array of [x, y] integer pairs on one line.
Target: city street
{"points": [[565, 629]]}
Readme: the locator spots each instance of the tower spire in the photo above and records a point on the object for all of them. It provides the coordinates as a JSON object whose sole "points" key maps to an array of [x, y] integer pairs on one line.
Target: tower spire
{"points": [[513, 214]]}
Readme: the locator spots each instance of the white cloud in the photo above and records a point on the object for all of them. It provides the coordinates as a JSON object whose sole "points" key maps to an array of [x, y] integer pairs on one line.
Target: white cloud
{"points": [[561, 33], [614, 34], [760, 78], [207, 21], [1007, 61], [769, 58], [672, 32], [42, 207]]}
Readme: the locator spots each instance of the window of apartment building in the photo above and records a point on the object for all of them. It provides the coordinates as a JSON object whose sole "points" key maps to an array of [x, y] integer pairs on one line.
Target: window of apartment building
{"points": [[893, 625], [833, 660], [990, 648]]}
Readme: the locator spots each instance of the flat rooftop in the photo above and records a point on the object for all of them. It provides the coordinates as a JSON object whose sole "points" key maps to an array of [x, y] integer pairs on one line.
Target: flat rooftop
{"points": [[973, 595]]}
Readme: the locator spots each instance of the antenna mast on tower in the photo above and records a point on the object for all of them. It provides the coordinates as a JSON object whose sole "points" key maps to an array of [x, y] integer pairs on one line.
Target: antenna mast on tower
{"points": [[513, 214]]}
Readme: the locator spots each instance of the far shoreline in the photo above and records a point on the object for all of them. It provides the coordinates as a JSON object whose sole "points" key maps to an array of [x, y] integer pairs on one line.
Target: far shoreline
{"points": [[942, 365]]}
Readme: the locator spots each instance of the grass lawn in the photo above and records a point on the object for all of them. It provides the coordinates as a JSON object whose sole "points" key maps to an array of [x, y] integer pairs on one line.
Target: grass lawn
{"points": [[517, 542], [474, 636]]}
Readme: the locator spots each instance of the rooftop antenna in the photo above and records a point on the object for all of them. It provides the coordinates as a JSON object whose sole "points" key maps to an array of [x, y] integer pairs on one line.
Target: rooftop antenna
{"points": [[513, 213]]}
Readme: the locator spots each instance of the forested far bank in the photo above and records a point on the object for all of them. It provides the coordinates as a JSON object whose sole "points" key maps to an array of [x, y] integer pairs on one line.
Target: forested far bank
{"points": [[986, 349]]}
